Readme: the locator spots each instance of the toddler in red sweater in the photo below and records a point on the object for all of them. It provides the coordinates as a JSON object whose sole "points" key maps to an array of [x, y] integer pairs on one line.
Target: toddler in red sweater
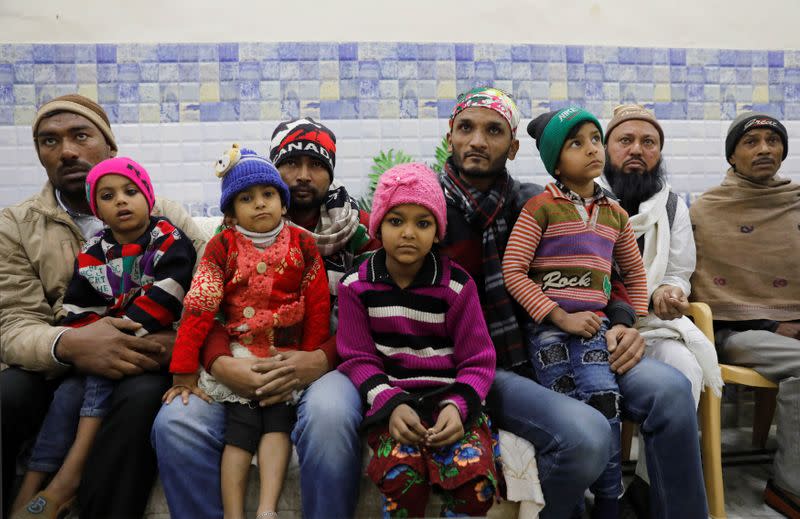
{"points": [[268, 281]]}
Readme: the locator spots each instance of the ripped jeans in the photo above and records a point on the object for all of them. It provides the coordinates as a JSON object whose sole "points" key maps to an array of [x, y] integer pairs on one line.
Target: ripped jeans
{"points": [[579, 368]]}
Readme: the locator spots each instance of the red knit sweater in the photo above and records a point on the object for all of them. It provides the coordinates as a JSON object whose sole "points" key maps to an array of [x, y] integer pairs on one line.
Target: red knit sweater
{"points": [[277, 296]]}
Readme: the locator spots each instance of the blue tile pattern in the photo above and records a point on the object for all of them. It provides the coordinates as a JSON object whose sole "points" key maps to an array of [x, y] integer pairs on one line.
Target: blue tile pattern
{"points": [[173, 82]]}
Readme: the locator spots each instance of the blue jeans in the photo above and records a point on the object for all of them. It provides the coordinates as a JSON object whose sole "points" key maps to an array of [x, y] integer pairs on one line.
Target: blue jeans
{"points": [[579, 368], [189, 439], [76, 396], [659, 398], [573, 440]]}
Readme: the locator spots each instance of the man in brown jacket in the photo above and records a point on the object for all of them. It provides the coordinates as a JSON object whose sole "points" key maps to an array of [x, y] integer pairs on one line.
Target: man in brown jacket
{"points": [[39, 240]]}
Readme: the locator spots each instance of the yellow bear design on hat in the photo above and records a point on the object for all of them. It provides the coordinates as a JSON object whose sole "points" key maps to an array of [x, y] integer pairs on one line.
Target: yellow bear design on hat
{"points": [[227, 161]]}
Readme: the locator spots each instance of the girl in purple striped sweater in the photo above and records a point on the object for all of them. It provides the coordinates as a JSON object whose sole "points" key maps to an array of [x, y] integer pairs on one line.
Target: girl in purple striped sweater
{"points": [[413, 340]]}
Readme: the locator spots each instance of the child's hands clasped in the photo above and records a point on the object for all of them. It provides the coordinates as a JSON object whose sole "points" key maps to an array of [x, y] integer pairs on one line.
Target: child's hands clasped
{"points": [[183, 385], [405, 425], [447, 429], [582, 324]]}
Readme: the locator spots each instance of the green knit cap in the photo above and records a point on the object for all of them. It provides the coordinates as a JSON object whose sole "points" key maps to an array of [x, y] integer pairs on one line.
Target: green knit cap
{"points": [[550, 131]]}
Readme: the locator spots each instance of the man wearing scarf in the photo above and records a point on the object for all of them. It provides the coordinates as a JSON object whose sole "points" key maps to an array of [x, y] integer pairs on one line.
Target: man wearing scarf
{"points": [[747, 233], [571, 438], [635, 172], [329, 410]]}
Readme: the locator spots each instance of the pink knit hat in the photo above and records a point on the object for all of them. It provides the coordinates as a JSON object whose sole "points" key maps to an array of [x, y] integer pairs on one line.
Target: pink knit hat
{"points": [[412, 183], [119, 166]]}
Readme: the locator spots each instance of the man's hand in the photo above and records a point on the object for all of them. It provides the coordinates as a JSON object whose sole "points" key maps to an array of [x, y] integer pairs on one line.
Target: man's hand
{"points": [[104, 348], [405, 425], [183, 385], [166, 339], [265, 380], [273, 379], [308, 365], [669, 302], [789, 329], [448, 428], [582, 324], [626, 348]]}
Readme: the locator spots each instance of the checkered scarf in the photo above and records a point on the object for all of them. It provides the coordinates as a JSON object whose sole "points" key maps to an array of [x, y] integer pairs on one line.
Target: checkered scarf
{"points": [[339, 233], [487, 211]]}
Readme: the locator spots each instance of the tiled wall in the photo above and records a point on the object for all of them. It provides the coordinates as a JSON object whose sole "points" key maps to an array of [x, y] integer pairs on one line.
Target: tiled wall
{"points": [[175, 107]]}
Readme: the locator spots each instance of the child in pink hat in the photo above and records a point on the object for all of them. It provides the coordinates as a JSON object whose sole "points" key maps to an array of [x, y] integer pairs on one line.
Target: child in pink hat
{"points": [[413, 340], [138, 268]]}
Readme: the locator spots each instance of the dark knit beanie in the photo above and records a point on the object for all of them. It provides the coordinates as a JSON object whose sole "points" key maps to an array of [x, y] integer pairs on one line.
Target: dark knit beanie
{"points": [[550, 130], [240, 169], [77, 104], [303, 137], [750, 121]]}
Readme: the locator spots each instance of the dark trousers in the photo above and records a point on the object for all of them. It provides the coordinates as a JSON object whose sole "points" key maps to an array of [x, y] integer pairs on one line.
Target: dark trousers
{"points": [[121, 467]]}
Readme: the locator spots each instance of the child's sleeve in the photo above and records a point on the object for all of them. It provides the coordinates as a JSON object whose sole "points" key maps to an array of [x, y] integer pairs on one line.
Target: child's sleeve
{"points": [[619, 309], [217, 344], [473, 350], [83, 304], [161, 303], [314, 288], [629, 260], [521, 249], [359, 357], [201, 305]]}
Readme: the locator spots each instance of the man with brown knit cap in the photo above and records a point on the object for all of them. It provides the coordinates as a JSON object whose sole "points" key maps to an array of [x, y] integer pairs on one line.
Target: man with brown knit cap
{"points": [[747, 232], [39, 239], [636, 174]]}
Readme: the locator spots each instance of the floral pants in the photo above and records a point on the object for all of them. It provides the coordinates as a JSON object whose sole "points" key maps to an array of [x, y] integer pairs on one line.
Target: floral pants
{"points": [[465, 473]]}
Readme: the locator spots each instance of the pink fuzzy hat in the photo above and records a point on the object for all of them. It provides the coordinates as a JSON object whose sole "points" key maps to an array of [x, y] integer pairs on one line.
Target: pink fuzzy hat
{"points": [[119, 166], [412, 183]]}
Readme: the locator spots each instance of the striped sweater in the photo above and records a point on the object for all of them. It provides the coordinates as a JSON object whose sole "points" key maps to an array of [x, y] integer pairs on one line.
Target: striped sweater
{"points": [[423, 345], [144, 281], [560, 254]]}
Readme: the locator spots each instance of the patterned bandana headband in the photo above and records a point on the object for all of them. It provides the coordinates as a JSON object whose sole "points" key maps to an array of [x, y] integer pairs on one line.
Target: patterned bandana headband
{"points": [[488, 97]]}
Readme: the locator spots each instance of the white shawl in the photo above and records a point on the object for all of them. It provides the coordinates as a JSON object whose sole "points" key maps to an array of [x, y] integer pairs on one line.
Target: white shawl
{"points": [[683, 329], [652, 222]]}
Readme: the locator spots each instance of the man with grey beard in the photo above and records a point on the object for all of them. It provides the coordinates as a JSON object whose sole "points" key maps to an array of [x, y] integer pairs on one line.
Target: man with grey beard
{"points": [[634, 171]]}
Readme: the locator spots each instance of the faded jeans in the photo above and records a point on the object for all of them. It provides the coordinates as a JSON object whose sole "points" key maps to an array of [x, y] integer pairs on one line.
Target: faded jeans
{"points": [[579, 368], [573, 440], [76, 396], [189, 439]]}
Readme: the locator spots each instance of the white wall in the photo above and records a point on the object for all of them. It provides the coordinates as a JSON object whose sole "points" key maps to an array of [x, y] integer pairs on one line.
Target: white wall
{"points": [[179, 157], [740, 24]]}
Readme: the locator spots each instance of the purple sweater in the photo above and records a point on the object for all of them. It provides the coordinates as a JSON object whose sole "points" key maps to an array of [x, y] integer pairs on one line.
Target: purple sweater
{"points": [[424, 345]]}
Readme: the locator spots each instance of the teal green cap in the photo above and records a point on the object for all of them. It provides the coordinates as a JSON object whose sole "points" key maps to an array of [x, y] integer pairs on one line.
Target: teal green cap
{"points": [[550, 130]]}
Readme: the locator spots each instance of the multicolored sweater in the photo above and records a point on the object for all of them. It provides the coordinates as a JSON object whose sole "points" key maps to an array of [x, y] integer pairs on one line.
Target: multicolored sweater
{"points": [[561, 254], [422, 345], [143, 281], [277, 296]]}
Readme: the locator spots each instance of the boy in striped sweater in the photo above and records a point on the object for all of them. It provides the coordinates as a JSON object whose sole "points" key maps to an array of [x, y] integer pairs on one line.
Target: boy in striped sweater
{"points": [[413, 340], [558, 265], [138, 268]]}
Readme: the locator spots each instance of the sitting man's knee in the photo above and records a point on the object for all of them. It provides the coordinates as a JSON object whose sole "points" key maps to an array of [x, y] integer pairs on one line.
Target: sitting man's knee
{"points": [[333, 404], [589, 441]]}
